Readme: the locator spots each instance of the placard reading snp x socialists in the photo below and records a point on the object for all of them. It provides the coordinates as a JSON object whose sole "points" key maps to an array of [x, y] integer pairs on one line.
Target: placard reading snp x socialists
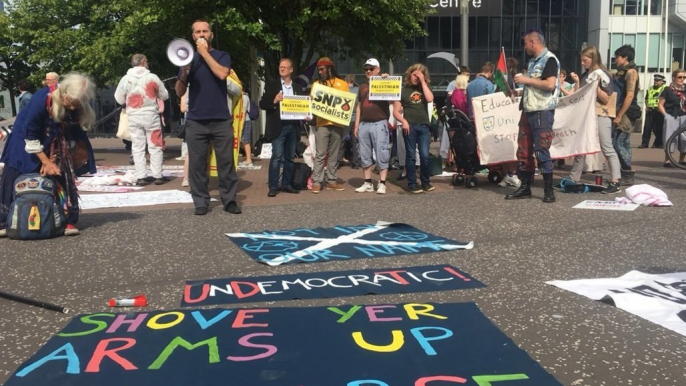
{"points": [[352, 345]]}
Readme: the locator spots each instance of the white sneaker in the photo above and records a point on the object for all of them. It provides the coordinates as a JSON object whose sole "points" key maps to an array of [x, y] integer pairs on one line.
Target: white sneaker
{"points": [[381, 189], [511, 181], [180, 158], [502, 184], [365, 188], [245, 164], [185, 183], [3, 233]]}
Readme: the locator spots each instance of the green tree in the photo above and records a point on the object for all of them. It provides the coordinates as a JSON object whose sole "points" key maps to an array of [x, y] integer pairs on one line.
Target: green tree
{"points": [[13, 67], [98, 37]]}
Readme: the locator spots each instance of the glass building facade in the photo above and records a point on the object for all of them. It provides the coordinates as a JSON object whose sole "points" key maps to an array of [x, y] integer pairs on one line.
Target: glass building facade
{"points": [[492, 24]]}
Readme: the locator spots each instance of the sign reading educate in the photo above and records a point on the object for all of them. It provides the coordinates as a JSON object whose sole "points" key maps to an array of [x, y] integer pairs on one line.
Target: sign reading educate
{"points": [[308, 245], [326, 285], [332, 104], [352, 345], [497, 116]]}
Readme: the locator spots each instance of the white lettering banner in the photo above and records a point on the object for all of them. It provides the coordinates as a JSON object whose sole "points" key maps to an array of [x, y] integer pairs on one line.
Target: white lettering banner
{"points": [[660, 299], [496, 117]]}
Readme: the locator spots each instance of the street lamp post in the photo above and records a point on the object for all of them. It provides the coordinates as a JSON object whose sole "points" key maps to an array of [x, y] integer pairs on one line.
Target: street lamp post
{"points": [[464, 32]]}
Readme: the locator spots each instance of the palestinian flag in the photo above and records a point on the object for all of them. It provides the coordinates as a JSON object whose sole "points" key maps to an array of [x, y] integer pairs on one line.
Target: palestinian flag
{"points": [[500, 74]]}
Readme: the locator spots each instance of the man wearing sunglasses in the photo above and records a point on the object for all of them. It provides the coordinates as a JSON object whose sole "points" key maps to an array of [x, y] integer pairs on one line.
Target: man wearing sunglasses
{"points": [[539, 97], [371, 130]]}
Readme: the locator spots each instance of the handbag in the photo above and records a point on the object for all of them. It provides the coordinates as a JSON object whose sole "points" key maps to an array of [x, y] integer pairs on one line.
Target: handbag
{"points": [[179, 131], [633, 112], [123, 129]]}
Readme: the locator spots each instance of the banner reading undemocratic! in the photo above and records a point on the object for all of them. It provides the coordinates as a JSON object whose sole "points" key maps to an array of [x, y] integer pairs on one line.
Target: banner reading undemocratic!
{"points": [[496, 118], [332, 104]]}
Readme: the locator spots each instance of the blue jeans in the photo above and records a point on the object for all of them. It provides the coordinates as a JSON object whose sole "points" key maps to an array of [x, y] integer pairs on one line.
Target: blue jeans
{"points": [[419, 135], [283, 149]]}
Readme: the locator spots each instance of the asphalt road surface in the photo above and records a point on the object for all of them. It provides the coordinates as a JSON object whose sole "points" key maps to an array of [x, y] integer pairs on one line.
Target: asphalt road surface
{"points": [[518, 246]]}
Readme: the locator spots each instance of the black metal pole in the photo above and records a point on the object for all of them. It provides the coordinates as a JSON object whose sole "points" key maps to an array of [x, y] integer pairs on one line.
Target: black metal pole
{"points": [[33, 302]]}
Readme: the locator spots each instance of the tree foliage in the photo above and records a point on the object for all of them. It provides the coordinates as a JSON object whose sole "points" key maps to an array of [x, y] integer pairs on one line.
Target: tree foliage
{"points": [[98, 37]]}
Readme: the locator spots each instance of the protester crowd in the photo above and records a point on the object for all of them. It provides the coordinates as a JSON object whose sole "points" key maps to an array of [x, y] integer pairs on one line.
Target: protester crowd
{"points": [[58, 115]]}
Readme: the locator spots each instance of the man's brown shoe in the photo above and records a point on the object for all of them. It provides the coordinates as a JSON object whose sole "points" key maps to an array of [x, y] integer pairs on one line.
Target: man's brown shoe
{"points": [[335, 186], [316, 188]]}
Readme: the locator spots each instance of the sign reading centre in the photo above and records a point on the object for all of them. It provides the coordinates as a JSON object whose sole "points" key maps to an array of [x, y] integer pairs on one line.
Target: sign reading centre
{"points": [[335, 105]]}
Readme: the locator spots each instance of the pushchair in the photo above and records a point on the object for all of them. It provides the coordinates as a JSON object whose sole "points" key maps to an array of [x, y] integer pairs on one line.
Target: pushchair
{"points": [[462, 134]]}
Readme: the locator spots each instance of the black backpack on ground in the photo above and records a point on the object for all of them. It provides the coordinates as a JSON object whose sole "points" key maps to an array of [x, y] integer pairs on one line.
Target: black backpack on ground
{"points": [[301, 172], [257, 147]]}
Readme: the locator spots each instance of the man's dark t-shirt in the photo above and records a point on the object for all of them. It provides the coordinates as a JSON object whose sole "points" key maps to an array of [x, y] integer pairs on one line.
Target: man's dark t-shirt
{"points": [[207, 95], [371, 111]]}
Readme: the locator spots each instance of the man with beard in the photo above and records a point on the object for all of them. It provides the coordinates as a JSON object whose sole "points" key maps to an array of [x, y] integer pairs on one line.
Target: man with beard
{"points": [[328, 135], [208, 120], [654, 119]]}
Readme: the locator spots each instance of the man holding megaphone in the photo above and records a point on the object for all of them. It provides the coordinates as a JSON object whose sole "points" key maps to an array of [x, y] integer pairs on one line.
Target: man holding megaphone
{"points": [[208, 118]]}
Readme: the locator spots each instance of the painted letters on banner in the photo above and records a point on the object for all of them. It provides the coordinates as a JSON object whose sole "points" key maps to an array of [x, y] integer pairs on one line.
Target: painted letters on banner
{"points": [[306, 245], [331, 104], [658, 298], [353, 345], [385, 89], [295, 107], [496, 118], [327, 285]]}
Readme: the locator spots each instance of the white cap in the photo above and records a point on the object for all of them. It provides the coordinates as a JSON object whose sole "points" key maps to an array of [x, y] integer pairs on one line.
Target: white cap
{"points": [[372, 62]]}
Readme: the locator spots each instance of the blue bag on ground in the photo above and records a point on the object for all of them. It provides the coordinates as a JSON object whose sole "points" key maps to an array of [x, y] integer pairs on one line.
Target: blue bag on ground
{"points": [[34, 214]]}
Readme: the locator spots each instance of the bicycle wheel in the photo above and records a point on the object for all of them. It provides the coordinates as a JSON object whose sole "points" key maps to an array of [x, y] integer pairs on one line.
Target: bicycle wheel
{"points": [[678, 137]]}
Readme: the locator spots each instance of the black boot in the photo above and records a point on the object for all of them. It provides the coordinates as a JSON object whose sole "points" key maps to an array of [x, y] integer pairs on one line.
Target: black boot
{"points": [[548, 193], [627, 177], [524, 190]]}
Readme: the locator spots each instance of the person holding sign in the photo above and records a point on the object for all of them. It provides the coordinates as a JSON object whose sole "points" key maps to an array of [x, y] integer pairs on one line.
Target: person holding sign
{"points": [[328, 134], [539, 98], [371, 130], [412, 112], [283, 133], [593, 63]]}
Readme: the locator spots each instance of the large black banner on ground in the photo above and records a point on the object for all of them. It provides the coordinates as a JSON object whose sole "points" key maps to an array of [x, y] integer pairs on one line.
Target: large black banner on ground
{"points": [[326, 285], [308, 245], [377, 345]]}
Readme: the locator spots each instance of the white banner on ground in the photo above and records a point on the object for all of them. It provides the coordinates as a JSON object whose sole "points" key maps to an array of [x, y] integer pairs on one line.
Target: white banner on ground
{"points": [[496, 118], [606, 205], [119, 200], [658, 298]]}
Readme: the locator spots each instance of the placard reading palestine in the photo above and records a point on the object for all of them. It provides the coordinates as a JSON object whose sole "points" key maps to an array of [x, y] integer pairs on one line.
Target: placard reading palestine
{"points": [[295, 107], [377, 345], [385, 89], [340, 243], [332, 104], [326, 285]]}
